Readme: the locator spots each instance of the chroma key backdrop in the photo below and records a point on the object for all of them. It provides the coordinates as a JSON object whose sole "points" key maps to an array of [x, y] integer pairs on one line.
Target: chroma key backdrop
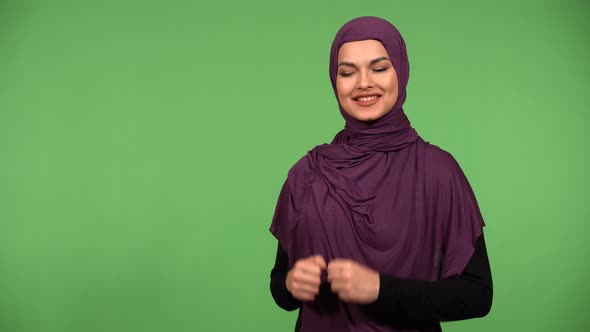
{"points": [[143, 145]]}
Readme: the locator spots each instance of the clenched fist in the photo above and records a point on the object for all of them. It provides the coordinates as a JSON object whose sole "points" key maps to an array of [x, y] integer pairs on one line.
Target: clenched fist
{"points": [[353, 282], [303, 280]]}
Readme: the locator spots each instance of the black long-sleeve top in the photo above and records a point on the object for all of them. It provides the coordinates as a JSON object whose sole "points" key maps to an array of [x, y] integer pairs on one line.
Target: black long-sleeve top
{"points": [[468, 295]]}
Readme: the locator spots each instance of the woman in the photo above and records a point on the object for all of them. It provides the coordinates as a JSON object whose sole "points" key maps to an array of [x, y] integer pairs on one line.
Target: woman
{"points": [[379, 230]]}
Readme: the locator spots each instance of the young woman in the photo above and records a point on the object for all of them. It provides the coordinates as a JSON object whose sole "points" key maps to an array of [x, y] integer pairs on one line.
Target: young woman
{"points": [[379, 230]]}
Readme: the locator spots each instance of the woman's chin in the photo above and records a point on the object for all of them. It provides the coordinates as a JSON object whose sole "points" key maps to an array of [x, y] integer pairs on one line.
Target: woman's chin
{"points": [[368, 116]]}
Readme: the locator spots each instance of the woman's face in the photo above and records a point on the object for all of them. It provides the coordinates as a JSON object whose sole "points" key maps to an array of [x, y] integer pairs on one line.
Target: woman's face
{"points": [[366, 81]]}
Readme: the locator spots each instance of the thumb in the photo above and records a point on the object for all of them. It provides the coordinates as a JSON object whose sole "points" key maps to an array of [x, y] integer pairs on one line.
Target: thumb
{"points": [[319, 260]]}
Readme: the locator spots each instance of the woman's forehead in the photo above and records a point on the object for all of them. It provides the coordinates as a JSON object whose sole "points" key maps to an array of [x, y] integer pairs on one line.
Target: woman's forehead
{"points": [[368, 49]]}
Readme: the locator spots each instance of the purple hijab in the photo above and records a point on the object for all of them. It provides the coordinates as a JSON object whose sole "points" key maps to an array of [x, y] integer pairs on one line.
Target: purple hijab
{"points": [[379, 195]]}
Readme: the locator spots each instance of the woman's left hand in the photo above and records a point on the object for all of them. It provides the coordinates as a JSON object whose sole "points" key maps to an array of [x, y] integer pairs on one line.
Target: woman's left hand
{"points": [[353, 282]]}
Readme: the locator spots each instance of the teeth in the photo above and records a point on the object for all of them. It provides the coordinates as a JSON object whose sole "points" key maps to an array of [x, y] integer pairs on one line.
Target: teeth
{"points": [[367, 98]]}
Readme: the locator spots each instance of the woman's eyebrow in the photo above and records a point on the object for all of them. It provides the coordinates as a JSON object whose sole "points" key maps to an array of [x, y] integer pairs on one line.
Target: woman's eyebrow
{"points": [[374, 61], [348, 64]]}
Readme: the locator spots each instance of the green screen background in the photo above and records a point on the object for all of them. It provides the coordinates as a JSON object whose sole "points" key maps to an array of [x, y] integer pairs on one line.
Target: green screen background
{"points": [[143, 145]]}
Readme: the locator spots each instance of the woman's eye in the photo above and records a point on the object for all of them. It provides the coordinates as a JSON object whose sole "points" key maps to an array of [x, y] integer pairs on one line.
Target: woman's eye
{"points": [[380, 69], [346, 73]]}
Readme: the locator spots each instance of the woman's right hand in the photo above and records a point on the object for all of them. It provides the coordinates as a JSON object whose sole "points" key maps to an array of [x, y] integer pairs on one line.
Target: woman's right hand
{"points": [[303, 280]]}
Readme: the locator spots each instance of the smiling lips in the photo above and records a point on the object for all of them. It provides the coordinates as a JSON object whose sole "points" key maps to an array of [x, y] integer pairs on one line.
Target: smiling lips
{"points": [[366, 100]]}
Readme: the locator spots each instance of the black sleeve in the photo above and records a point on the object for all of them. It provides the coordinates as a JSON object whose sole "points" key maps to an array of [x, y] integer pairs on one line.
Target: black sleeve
{"points": [[278, 287], [466, 296]]}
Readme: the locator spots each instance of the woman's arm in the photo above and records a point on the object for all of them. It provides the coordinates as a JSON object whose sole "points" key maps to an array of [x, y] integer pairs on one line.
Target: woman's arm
{"points": [[466, 296], [278, 287]]}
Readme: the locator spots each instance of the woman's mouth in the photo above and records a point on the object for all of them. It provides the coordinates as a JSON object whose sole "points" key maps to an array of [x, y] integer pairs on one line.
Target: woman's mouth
{"points": [[367, 100]]}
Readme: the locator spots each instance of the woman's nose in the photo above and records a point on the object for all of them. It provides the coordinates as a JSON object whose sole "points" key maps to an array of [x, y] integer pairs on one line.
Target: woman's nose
{"points": [[364, 81]]}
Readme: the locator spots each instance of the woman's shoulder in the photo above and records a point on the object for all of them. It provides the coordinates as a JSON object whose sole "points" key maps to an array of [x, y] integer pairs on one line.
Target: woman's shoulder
{"points": [[304, 167], [301, 166], [439, 162], [300, 173]]}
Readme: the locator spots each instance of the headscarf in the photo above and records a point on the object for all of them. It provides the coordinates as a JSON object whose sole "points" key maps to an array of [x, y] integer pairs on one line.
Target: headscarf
{"points": [[379, 195], [393, 131], [359, 142]]}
